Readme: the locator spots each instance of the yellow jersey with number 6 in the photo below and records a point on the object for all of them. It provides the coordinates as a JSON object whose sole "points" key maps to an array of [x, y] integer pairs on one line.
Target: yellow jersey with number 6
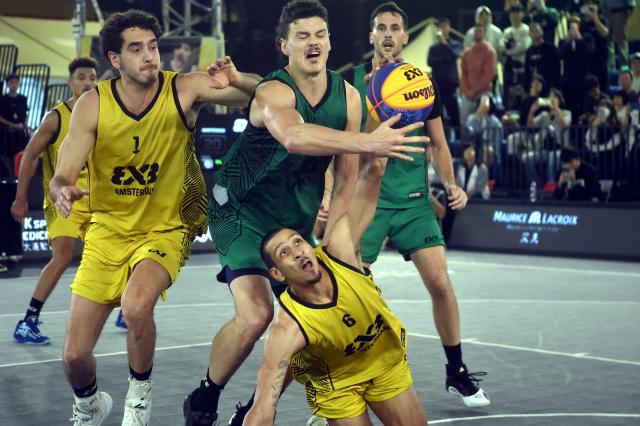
{"points": [[351, 340], [143, 172]]}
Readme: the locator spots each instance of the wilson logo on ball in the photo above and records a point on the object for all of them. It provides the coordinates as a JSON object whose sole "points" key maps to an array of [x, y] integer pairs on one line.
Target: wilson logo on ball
{"points": [[400, 88]]}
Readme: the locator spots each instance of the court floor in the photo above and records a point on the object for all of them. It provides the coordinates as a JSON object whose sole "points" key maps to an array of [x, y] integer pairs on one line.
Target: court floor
{"points": [[558, 338]]}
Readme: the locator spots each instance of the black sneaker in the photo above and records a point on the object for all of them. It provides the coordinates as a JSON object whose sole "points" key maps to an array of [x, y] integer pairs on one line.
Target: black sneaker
{"points": [[465, 385], [194, 415], [238, 416]]}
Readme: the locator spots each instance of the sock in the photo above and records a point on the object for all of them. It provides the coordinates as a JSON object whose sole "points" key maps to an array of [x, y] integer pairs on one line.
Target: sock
{"points": [[141, 377], [87, 391], [207, 399], [454, 356], [34, 308]]}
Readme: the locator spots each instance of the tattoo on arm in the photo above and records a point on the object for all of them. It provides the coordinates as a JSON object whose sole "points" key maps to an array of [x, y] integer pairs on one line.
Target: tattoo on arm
{"points": [[276, 387]]}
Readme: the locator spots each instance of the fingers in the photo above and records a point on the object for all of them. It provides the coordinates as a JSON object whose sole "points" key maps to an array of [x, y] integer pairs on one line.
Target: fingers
{"points": [[408, 148], [416, 139], [400, 156], [411, 127], [458, 199], [393, 120]]}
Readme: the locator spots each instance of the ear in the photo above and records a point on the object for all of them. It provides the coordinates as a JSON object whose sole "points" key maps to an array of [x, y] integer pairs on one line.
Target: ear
{"points": [[276, 274], [405, 39], [284, 47], [114, 58], [371, 37]]}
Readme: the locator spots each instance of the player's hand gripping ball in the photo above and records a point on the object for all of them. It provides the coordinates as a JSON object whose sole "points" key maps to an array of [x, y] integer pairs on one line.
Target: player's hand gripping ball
{"points": [[400, 88]]}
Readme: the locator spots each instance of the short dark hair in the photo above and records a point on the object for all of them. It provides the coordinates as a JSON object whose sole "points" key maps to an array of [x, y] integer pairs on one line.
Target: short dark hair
{"points": [[12, 76], [298, 9], [111, 33], [264, 254], [443, 20], [623, 95], [392, 7], [569, 154], [82, 62], [591, 82]]}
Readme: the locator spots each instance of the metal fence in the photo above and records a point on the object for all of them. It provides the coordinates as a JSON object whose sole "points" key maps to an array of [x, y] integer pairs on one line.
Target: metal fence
{"points": [[57, 93], [8, 59], [517, 156], [34, 79]]}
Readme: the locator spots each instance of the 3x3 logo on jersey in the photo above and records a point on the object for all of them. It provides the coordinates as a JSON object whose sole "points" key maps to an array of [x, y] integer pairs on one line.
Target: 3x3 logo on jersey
{"points": [[364, 342]]}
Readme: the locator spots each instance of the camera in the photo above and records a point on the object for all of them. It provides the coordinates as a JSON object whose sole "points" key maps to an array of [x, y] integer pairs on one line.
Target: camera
{"points": [[544, 102]]}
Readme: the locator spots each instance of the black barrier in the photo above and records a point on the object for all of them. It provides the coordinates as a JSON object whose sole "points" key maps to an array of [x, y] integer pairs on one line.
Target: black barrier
{"points": [[577, 229]]}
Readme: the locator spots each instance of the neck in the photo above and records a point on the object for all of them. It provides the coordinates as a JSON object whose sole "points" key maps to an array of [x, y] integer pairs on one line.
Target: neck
{"points": [[313, 86], [319, 293], [13, 93]]}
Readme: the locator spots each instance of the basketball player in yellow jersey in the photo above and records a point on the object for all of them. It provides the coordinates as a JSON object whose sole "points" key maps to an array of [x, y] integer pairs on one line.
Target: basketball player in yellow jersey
{"points": [[62, 231], [148, 200], [334, 330]]}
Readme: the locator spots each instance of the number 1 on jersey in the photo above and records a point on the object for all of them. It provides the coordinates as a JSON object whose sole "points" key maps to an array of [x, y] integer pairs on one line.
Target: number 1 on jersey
{"points": [[136, 144]]}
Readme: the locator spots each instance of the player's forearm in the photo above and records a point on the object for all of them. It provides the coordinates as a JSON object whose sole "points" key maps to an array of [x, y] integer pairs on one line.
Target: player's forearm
{"points": [[28, 166], [443, 164], [365, 195], [57, 183], [7, 122], [314, 140], [260, 414], [343, 182], [247, 82]]}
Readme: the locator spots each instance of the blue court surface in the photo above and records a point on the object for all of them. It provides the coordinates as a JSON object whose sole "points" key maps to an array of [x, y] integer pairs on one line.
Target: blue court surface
{"points": [[558, 338]]}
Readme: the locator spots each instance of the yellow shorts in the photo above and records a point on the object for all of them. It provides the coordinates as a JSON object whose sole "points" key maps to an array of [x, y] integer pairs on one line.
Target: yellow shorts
{"points": [[109, 258], [352, 401], [74, 226]]}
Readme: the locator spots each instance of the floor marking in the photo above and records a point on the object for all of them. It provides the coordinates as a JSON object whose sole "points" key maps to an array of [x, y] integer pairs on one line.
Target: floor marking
{"points": [[173, 306], [510, 416], [579, 355]]}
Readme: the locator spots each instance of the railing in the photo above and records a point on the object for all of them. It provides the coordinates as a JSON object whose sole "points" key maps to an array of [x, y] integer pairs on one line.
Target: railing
{"points": [[33, 82], [57, 93], [8, 58], [517, 156]]}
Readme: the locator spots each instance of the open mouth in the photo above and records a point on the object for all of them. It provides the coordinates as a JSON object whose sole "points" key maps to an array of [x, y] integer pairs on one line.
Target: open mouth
{"points": [[312, 54], [388, 44], [307, 265]]}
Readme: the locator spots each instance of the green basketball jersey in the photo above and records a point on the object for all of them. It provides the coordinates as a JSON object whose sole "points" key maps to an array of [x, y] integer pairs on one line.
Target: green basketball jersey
{"points": [[405, 182], [270, 186]]}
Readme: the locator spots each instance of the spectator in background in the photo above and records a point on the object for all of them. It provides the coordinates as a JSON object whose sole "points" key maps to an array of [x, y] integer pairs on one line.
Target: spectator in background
{"points": [[617, 13], [604, 140], [576, 58], [625, 82], [472, 175], [478, 69], [595, 33], [592, 99], [635, 69], [182, 60], [442, 59], [493, 34], [622, 107], [483, 126], [547, 17], [505, 19], [515, 43], [576, 181], [13, 123], [541, 58]]}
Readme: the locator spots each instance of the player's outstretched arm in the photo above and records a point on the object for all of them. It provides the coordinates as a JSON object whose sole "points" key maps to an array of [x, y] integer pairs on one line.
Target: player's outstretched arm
{"points": [[444, 165], [75, 150], [222, 84], [283, 340], [38, 143], [274, 108]]}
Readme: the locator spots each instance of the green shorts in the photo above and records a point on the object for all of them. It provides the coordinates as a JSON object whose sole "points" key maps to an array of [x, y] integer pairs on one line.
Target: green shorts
{"points": [[409, 229], [238, 238]]}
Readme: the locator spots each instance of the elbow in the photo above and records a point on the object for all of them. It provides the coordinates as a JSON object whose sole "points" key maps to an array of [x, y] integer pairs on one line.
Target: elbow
{"points": [[290, 142]]}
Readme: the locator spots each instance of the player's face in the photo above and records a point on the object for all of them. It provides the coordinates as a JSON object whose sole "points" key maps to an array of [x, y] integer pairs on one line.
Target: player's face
{"points": [[388, 36], [82, 80], [307, 45], [139, 58], [294, 257]]}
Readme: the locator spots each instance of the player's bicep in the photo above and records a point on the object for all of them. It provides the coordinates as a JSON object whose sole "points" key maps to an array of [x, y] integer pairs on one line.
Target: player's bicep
{"points": [[274, 108], [354, 108], [81, 137]]}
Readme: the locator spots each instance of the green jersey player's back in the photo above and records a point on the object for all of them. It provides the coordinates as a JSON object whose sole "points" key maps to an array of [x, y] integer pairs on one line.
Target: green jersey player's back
{"points": [[405, 182], [267, 184]]}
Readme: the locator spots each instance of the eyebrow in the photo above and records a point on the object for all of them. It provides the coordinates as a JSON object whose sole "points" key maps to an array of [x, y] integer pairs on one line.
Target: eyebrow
{"points": [[275, 249], [140, 43]]}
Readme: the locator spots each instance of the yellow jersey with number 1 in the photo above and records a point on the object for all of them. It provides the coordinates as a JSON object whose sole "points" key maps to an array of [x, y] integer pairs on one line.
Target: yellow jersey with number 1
{"points": [[144, 174], [351, 340]]}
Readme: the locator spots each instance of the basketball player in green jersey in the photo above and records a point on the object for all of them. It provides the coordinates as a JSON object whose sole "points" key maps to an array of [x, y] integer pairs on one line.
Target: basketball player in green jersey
{"points": [[273, 176], [62, 231], [405, 213]]}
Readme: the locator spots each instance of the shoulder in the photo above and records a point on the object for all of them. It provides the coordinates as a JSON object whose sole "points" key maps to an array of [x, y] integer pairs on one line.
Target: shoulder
{"points": [[274, 92], [51, 121]]}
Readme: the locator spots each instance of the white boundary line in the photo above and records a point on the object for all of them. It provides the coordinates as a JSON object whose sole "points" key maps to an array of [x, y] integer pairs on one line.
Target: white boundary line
{"points": [[580, 355], [173, 306], [510, 416]]}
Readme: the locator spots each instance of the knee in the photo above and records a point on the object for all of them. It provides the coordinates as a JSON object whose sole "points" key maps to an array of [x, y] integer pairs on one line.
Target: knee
{"points": [[253, 322], [440, 287], [61, 259], [136, 313], [74, 357]]}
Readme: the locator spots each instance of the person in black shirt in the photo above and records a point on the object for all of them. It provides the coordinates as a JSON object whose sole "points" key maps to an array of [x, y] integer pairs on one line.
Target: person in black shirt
{"points": [[576, 181], [541, 58], [442, 59], [547, 17], [576, 57], [13, 124], [595, 32]]}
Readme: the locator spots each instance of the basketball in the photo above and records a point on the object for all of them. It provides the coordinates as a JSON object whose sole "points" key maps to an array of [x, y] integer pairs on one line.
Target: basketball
{"points": [[400, 88]]}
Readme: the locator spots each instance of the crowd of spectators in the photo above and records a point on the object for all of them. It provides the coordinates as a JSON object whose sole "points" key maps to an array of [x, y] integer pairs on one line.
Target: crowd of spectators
{"points": [[536, 80]]}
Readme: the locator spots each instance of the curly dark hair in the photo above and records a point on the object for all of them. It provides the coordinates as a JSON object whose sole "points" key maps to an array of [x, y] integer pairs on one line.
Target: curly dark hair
{"points": [[82, 62], [111, 33], [298, 9]]}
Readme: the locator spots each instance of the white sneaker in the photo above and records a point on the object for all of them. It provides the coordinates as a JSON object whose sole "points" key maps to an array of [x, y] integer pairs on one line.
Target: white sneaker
{"points": [[317, 421], [91, 411], [137, 405]]}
